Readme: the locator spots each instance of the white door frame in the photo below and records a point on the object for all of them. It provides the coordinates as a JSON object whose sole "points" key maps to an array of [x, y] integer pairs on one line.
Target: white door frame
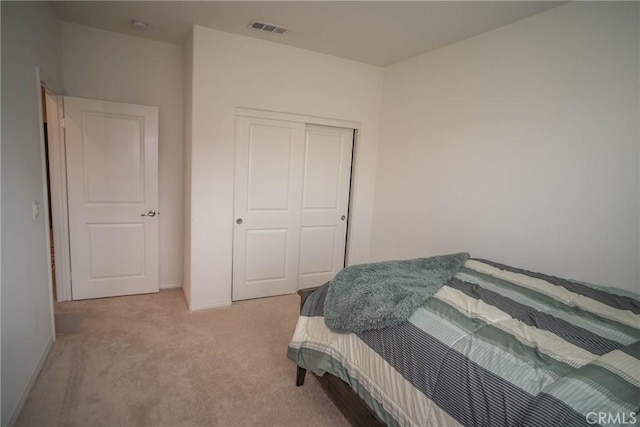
{"points": [[40, 82], [301, 118], [58, 194], [322, 121]]}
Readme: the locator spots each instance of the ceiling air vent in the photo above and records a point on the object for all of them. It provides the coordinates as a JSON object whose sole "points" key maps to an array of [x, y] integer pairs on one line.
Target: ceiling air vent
{"points": [[269, 28]]}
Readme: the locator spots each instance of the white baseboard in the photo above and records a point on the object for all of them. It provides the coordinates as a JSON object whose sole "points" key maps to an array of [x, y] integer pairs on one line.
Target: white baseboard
{"points": [[212, 304], [31, 382], [170, 285]]}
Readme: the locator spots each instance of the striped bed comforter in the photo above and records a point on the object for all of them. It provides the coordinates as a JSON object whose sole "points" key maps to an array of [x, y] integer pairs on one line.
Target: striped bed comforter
{"points": [[495, 346]]}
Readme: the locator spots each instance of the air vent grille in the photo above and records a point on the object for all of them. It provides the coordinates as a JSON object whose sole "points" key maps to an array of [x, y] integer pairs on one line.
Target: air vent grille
{"points": [[269, 28]]}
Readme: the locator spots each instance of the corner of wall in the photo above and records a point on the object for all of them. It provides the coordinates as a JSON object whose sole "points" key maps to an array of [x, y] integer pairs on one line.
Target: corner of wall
{"points": [[209, 304], [31, 383], [188, 119], [505, 159]]}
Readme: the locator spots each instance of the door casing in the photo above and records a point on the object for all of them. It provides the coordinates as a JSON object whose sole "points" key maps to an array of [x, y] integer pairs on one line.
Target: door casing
{"points": [[58, 194]]}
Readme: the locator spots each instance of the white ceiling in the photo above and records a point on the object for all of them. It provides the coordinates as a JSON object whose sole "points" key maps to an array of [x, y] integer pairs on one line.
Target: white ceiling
{"points": [[373, 32]]}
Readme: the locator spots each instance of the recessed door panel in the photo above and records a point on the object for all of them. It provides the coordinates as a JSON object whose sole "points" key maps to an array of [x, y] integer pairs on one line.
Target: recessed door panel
{"points": [[116, 250], [323, 158], [266, 255], [112, 181], [113, 147], [269, 167], [317, 245]]}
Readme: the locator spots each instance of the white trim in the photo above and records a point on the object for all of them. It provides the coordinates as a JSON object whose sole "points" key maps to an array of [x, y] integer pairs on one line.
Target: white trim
{"points": [[212, 304], [45, 201], [58, 195], [1, 211], [32, 381], [301, 118], [352, 190], [170, 285]]}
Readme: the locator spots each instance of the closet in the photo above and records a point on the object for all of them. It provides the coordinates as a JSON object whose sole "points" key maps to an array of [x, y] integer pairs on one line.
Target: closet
{"points": [[292, 182]]}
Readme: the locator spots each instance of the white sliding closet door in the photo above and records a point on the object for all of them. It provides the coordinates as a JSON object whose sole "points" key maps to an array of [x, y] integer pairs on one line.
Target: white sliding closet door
{"points": [[291, 199], [267, 206], [325, 203]]}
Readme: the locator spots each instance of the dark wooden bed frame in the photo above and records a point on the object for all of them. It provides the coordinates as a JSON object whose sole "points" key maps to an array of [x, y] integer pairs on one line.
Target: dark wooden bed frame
{"points": [[348, 402]]}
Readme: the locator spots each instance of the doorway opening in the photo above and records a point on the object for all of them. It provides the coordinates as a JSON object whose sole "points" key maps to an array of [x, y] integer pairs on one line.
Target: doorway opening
{"points": [[65, 320], [49, 220], [54, 187]]}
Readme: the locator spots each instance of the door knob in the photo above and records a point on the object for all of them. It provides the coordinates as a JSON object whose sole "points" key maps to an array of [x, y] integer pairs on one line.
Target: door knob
{"points": [[150, 213], [342, 218], [239, 221]]}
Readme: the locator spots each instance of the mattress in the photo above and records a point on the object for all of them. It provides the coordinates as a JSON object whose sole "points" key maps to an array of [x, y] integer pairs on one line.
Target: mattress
{"points": [[496, 345]]}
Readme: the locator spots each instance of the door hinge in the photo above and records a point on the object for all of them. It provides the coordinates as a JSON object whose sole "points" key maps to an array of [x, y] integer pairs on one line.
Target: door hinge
{"points": [[63, 123]]}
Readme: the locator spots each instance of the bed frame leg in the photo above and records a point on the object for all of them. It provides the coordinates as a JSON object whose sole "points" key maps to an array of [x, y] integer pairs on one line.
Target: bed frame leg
{"points": [[300, 376]]}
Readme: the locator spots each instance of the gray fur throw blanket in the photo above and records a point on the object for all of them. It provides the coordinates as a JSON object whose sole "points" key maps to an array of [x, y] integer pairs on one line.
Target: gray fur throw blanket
{"points": [[374, 296]]}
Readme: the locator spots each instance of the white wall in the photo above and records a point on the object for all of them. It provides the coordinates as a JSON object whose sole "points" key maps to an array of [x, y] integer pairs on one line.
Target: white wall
{"points": [[232, 71], [30, 38], [115, 67], [188, 119], [519, 145]]}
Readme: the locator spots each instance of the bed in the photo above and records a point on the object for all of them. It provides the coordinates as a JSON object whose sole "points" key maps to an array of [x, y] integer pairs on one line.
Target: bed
{"points": [[495, 345]]}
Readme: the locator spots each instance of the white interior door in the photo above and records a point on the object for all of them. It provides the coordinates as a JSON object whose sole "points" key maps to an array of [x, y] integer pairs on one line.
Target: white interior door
{"points": [[325, 203], [267, 206], [291, 194], [112, 181]]}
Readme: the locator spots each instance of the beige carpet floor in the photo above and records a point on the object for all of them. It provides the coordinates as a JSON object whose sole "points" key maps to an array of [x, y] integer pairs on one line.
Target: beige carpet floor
{"points": [[146, 360]]}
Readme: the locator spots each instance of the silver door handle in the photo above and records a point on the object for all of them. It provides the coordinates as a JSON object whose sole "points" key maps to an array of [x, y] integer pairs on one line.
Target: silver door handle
{"points": [[150, 213]]}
